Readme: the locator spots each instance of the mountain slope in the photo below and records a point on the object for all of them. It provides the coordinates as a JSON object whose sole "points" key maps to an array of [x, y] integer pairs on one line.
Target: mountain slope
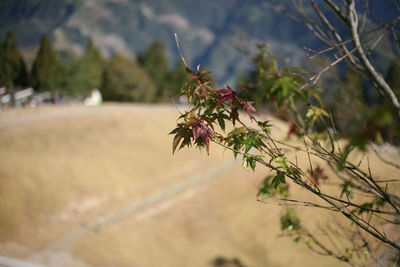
{"points": [[209, 30]]}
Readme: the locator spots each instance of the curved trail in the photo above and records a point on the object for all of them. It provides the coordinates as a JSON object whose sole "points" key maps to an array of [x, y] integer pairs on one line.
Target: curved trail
{"points": [[67, 242], [57, 252]]}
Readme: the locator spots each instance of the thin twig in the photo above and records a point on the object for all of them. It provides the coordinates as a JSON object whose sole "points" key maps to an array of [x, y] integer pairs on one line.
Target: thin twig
{"points": [[179, 49]]}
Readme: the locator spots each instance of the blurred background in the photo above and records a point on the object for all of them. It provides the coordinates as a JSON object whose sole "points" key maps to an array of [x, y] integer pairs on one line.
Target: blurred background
{"points": [[87, 175]]}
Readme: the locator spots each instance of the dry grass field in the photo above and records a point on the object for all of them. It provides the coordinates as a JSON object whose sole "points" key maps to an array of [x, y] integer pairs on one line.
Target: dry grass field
{"points": [[100, 187]]}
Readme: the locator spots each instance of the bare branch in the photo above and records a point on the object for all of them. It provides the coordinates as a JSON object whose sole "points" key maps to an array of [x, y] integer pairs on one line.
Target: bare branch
{"points": [[334, 32], [373, 73], [396, 41], [314, 79], [336, 9], [179, 49]]}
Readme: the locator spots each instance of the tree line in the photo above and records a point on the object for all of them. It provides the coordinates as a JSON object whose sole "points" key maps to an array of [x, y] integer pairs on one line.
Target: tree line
{"points": [[148, 78]]}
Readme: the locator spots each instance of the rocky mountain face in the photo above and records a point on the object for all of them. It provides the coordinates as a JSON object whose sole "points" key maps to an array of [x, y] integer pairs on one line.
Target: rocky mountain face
{"points": [[210, 31]]}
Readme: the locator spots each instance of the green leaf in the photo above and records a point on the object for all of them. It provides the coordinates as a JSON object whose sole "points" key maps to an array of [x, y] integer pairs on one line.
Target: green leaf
{"points": [[266, 189], [316, 96], [174, 131], [284, 88], [365, 207], [282, 161], [343, 157], [221, 122], [315, 113], [253, 164], [347, 189], [175, 142], [294, 171], [264, 125], [289, 221], [237, 131], [249, 162], [278, 179], [309, 243]]}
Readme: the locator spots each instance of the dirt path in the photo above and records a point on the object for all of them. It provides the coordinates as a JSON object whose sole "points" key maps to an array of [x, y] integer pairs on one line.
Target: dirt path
{"points": [[67, 242]]}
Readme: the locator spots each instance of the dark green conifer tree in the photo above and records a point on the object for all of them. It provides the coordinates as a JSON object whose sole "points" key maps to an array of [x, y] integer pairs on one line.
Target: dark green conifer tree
{"points": [[155, 63], [125, 80], [46, 70], [84, 74], [93, 64], [93, 53], [12, 66], [258, 81]]}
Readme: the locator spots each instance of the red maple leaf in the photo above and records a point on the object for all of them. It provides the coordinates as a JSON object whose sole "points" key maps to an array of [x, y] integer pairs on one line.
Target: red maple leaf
{"points": [[249, 108], [226, 94], [317, 174], [201, 130]]}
